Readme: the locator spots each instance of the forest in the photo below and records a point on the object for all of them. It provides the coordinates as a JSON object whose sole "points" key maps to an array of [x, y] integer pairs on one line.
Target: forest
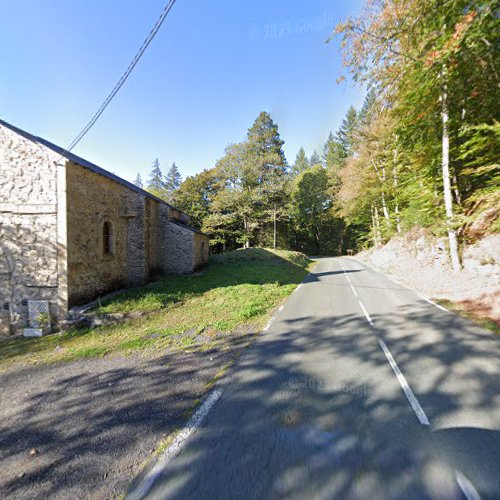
{"points": [[423, 150]]}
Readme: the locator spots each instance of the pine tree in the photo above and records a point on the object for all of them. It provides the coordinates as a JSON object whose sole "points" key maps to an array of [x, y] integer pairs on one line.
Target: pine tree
{"points": [[345, 135], [301, 162], [265, 148], [173, 181], [315, 159], [334, 156], [266, 145], [368, 106], [138, 181], [156, 181], [333, 153]]}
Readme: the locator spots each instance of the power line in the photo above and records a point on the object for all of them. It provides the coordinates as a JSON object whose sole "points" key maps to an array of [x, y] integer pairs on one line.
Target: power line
{"points": [[123, 78]]}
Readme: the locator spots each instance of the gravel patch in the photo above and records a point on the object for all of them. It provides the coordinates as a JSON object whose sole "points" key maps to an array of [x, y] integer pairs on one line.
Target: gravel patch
{"points": [[84, 429]]}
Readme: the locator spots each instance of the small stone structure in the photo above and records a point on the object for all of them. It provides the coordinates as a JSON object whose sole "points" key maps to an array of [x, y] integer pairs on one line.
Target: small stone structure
{"points": [[71, 231]]}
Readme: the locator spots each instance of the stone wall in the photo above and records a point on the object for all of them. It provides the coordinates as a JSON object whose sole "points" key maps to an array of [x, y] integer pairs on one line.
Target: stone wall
{"points": [[177, 252], [134, 217], [94, 200], [146, 241], [69, 234], [163, 236], [151, 238], [181, 249], [28, 229]]}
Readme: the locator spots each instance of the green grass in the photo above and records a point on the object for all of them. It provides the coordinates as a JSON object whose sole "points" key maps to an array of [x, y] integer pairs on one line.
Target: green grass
{"points": [[238, 288]]}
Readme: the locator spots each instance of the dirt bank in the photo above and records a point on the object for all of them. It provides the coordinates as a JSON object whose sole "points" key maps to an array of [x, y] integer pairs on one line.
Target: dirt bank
{"points": [[420, 261]]}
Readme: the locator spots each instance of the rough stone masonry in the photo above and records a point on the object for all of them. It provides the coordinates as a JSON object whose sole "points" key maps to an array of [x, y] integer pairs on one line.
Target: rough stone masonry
{"points": [[71, 231]]}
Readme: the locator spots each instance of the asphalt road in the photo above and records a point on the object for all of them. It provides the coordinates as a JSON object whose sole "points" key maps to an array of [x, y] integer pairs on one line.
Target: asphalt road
{"points": [[360, 388]]}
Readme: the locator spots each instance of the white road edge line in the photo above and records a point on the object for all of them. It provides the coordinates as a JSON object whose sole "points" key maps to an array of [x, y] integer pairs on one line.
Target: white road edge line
{"points": [[273, 318], [433, 303], [367, 316], [422, 417], [470, 493], [194, 423], [269, 323]]}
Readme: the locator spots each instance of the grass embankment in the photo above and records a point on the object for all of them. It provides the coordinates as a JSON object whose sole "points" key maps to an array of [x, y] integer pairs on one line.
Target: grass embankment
{"points": [[238, 289]]}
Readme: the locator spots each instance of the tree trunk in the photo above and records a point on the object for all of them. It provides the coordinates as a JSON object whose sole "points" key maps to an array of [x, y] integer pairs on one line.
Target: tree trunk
{"points": [[384, 204], [448, 202], [377, 223], [316, 233], [376, 227], [341, 239], [382, 177], [384, 209], [245, 226], [274, 242], [395, 183], [458, 197]]}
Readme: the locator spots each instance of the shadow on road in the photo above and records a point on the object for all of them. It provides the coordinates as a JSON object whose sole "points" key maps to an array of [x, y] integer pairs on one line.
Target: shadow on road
{"points": [[283, 431], [337, 425], [94, 423]]}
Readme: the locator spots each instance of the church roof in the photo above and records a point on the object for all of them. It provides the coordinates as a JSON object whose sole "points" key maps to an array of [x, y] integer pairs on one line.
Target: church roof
{"points": [[86, 164]]}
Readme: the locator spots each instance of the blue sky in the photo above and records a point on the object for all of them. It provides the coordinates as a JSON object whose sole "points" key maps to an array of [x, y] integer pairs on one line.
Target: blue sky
{"points": [[203, 80]]}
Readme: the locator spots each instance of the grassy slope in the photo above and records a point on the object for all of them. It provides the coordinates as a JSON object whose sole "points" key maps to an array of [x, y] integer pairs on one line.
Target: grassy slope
{"points": [[238, 289]]}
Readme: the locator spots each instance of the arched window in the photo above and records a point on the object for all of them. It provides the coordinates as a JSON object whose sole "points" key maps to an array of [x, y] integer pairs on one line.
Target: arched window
{"points": [[108, 238]]}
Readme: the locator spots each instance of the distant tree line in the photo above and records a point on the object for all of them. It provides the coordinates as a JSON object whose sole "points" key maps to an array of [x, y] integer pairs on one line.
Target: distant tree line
{"points": [[423, 150]]}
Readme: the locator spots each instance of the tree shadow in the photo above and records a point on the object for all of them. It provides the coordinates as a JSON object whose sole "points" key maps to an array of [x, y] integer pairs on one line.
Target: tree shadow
{"points": [[311, 409], [92, 424], [284, 429], [318, 276]]}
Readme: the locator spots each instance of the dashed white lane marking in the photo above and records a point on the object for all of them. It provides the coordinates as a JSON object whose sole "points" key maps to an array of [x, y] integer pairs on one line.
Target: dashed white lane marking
{"points": [[419, 411], [468, 489], [463, 482], [367, 316], [422, 417], [433, 303], [348, 280], [194, 423]]}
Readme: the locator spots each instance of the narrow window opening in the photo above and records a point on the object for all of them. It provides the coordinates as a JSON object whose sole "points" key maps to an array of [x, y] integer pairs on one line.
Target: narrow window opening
{"points": [[107, 238]]}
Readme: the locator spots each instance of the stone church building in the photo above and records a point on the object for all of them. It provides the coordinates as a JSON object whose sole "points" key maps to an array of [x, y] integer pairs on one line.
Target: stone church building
{"points": [[71, 231]]}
